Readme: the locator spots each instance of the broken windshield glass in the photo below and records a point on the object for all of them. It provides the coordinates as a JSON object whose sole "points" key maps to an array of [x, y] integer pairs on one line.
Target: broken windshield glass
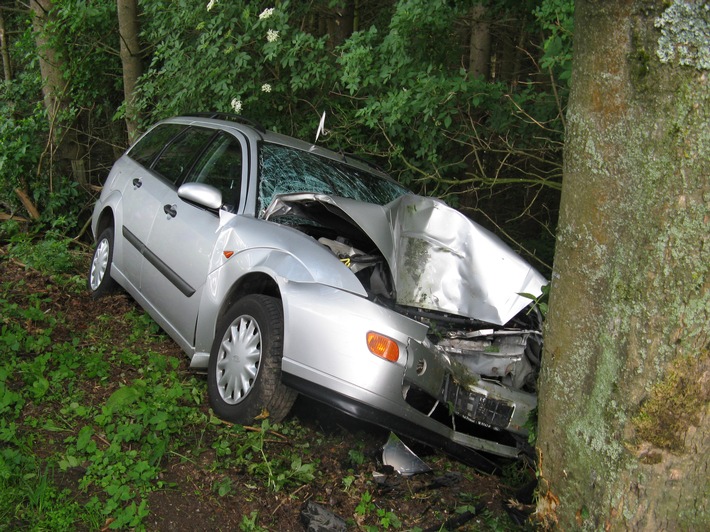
{"points": [[284, 170]]}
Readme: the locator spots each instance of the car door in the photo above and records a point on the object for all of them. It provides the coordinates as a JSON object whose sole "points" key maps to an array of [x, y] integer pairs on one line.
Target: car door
{"points": [[183, 236], [141, 195]]}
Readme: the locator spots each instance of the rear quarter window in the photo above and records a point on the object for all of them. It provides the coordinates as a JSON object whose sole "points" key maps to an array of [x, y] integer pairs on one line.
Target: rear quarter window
{"points": [[176, 159], [150, 145]]}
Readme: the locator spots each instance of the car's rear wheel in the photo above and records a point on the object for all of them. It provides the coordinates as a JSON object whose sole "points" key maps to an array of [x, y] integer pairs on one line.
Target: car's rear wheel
{"points": [[244, 371], [99, 279]]}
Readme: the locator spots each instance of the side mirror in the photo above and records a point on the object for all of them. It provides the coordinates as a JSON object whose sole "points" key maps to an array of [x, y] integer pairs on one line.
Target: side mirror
{"points": [[200, 194]]}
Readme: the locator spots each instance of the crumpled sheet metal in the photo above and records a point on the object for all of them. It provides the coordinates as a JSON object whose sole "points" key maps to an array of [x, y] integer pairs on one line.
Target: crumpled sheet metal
{"points": [[446, 262], [440, 259]]}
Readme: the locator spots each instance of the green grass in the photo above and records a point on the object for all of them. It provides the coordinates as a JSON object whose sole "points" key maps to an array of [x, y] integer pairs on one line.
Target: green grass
{"points": [[110, 415]]}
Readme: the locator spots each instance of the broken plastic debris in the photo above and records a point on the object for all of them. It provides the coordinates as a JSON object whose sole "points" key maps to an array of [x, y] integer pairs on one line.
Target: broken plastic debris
{"points": [[396, 454], [317, 518]]}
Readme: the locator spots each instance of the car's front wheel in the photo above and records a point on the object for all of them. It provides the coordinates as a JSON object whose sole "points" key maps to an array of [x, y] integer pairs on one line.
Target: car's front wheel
{"points": [[99, 278], [244, 371]]}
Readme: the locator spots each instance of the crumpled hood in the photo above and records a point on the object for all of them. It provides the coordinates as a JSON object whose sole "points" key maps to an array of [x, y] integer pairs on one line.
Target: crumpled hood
{"points": [[440, 260]]}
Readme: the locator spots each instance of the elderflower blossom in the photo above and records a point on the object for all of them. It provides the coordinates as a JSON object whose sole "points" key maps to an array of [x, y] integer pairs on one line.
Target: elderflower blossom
{"points": [[272, 35], [266, 87], [266, 13], [236, 105], [211, 4]]}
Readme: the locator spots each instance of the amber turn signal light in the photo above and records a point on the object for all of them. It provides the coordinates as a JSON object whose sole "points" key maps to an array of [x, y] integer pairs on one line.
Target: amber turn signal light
{"points": [[382, 346]]}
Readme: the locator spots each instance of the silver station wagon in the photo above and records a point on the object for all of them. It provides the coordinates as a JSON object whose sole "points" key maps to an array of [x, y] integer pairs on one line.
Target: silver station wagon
{"points": [[281, 267]]}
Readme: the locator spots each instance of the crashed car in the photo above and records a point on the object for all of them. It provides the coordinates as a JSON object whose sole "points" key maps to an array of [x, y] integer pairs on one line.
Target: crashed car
{"points": [[281, 267]]}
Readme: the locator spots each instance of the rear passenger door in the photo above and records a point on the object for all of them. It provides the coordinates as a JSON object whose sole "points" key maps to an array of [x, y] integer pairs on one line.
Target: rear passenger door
{"points": [[141, 197], [183, 236]]}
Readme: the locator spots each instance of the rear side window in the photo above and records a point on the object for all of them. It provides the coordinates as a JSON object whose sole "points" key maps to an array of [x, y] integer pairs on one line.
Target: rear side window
{"points": [[147, 148], [175, 160]]}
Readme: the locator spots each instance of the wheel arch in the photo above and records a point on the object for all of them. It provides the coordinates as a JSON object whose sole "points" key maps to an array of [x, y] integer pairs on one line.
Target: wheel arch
{"points": [[105, 219], [258, 282], [251, 283], [106, 213]]}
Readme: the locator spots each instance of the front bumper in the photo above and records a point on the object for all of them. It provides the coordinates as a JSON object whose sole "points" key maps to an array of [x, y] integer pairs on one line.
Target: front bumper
{"points": [[326, 358]]}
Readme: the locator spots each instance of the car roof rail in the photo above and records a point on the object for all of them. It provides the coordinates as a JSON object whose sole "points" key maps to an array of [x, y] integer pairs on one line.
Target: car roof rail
{"points": [[231, 117], [368, 162]]}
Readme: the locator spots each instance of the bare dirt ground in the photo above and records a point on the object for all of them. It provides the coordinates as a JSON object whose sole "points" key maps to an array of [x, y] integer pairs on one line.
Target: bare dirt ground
{"points": [[450, 497]]}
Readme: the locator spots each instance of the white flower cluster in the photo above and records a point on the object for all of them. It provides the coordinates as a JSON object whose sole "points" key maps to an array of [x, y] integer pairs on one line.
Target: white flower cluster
{"points": [[272, 35], [266, 13], [236, 105], [266, 87], [211, 4]]}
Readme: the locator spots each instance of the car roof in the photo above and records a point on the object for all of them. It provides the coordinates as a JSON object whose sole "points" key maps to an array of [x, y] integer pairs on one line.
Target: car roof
{"points": [[256, 133]]}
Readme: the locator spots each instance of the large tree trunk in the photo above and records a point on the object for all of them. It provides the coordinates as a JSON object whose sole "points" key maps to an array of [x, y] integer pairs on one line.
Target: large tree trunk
{"points": [[53, 86], [624, 435], [130, 60], [65, 143]]}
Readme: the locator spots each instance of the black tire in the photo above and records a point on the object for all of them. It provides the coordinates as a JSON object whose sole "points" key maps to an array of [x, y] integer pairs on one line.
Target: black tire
{"points": [[99, 278], [244, 370]]}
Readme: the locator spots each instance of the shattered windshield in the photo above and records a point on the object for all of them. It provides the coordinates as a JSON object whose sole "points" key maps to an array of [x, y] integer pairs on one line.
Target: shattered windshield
{"points": [[284, 170]]}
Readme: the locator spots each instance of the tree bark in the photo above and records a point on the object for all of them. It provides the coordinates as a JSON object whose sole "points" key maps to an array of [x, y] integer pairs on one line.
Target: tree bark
{"points": [[4, 50], [130, 60], [625, 389], [53, 87], [64, 139], [340, 22], [480, 44]]}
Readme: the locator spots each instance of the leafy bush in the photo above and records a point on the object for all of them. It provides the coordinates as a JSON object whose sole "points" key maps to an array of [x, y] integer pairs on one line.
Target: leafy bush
{"points": [[51, 254]]}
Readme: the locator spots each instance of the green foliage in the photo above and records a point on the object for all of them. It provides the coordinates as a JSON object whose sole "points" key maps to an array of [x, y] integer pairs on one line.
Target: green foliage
{"points": [[556, 19], [23, 122], [142, 327], [53, 254], [249, 450], [397, 90], [365, 506], [77, 33], [356, 457], [385, 519], [30, 499], [402, 80], [117, 447], [206, 60], [542, 301], [249, 523], [388, 519]]}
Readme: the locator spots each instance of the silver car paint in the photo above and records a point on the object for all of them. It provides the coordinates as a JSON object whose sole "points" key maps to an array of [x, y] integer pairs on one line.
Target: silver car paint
{"points": [[262, 248]]}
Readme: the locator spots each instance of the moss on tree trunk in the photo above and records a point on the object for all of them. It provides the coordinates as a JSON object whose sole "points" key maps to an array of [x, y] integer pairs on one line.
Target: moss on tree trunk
{"points": [[623, 436]]}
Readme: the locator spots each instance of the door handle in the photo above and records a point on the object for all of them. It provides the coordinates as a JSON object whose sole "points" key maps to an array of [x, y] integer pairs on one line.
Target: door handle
{"points": [[137, 183], [170, 210]]}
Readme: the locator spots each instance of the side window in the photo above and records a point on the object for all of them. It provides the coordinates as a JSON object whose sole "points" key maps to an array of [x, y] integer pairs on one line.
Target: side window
{"points": [[221, 167], [147, 148], [177, 157]]}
